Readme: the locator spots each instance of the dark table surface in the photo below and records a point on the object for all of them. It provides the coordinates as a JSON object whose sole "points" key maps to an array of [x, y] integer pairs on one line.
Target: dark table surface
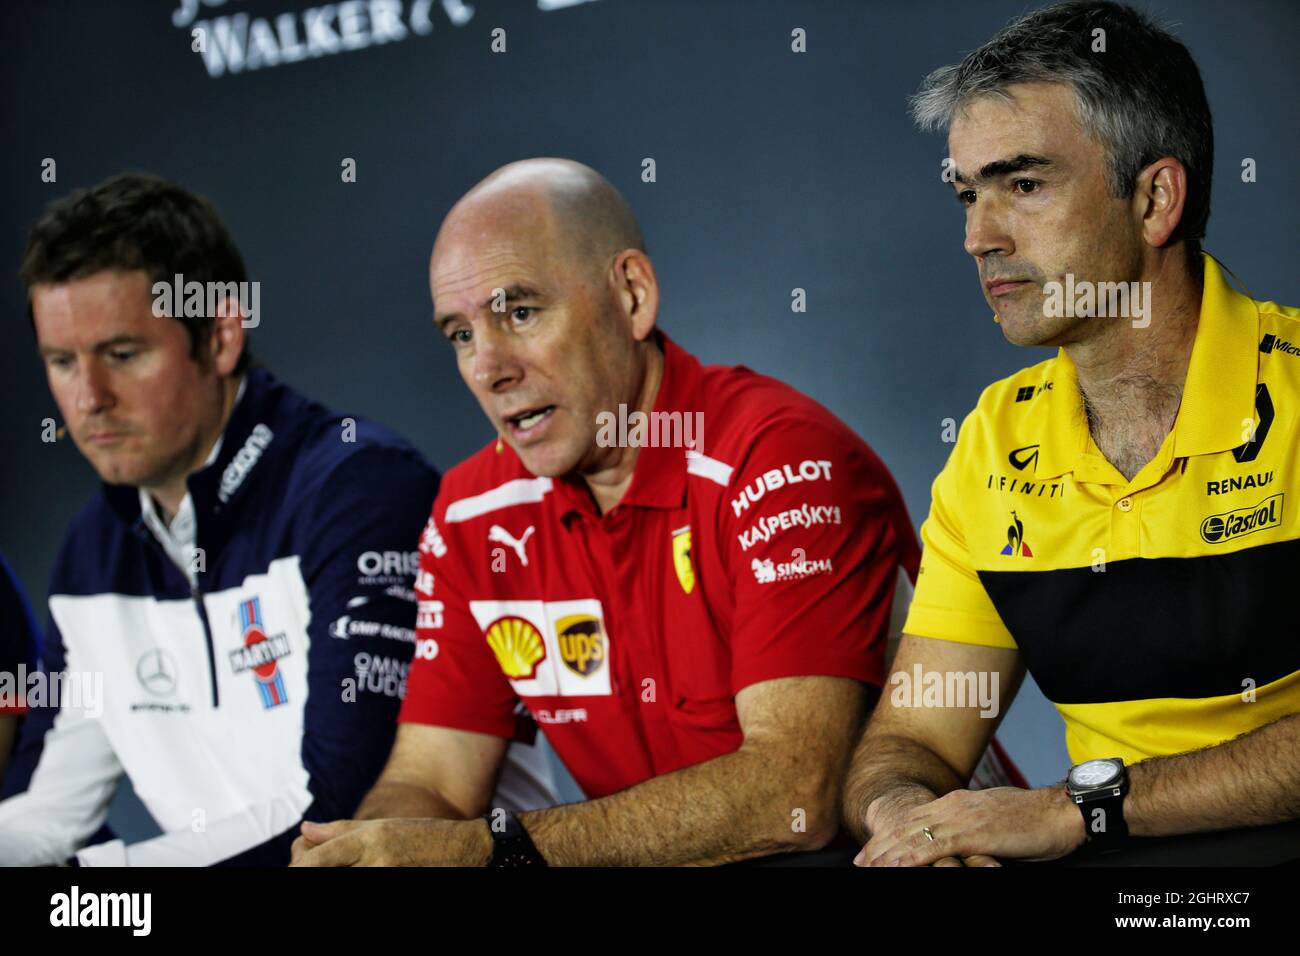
{"points": [[1277, 845]]}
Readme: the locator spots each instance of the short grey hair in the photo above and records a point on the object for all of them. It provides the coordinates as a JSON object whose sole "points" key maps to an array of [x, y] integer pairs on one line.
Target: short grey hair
{"points": [[1141, 99]]}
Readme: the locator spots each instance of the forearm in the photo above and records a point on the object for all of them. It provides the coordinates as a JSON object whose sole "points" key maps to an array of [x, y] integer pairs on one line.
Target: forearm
{"points": [[390, 799], [1253, 780], [895, 766], [734, 807]]}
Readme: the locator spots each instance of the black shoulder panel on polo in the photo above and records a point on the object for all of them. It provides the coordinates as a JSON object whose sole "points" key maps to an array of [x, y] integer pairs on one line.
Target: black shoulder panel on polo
{"points": [[1156, 627]]}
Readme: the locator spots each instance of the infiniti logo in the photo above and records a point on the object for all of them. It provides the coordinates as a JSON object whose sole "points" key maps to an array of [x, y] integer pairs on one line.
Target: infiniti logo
{"points": [[156, 671], [1022, 458]]}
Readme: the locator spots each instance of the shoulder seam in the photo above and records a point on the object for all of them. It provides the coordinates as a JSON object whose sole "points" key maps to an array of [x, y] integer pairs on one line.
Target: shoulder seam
{"points": [[718, 472], [518, 491]]}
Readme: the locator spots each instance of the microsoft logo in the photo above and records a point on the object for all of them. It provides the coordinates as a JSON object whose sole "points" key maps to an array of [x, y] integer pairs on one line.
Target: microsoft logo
{"points": [[1271, 343], [1026, 392]]}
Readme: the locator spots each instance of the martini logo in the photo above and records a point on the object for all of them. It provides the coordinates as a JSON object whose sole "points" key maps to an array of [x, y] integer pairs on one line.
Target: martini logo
{"points": [[1022, 458], [517, 645], [682, 559], [1216, 529], [260, 653], [582, 643], [1016, 539]]}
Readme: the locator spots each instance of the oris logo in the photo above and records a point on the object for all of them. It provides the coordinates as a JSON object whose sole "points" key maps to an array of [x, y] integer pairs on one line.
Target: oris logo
{"points": [[1219, 528], [389, 563]]}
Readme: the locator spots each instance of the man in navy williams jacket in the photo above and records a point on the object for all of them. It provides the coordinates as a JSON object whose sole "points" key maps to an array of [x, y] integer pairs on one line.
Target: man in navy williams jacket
{"points": [[233, 616]]}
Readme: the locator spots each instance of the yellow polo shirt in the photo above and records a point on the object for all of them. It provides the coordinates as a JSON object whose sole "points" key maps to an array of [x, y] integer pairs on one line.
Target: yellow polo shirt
{"points": [[1160, 614]]}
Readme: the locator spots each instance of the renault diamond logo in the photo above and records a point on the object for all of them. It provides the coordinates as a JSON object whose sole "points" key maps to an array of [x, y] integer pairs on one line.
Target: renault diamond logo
{"points": [[1249, 451]]}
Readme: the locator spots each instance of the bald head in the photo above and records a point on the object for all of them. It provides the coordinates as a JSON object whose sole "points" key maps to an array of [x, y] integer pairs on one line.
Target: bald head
{"points": [[583, 218], [541, 284]]}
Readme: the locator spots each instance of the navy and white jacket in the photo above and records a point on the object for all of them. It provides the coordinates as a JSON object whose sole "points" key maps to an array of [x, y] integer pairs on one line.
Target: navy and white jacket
{"points": [[264, 694]]}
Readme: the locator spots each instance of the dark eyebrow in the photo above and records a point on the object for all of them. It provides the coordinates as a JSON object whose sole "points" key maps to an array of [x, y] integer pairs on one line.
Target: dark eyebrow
{"points": [[1002, 167], [117, 340], [101, 347], [513, 293]]}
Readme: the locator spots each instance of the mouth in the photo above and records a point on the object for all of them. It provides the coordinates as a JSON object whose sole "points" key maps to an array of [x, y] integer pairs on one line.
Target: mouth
{"points": [[997, 287], [530, 423]]}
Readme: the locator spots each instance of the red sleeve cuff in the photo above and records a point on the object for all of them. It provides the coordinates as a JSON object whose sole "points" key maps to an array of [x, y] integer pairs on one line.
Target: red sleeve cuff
{"points": [[864, 668], [458, 718]]}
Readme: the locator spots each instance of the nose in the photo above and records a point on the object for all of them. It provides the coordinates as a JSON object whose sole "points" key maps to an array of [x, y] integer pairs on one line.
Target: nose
{"points": [[986, 231], [93, 393], [493, 366]]}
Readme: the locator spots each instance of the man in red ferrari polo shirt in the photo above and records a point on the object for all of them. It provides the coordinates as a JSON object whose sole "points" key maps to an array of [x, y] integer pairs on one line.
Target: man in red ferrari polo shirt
{"points": [[684, 572]]}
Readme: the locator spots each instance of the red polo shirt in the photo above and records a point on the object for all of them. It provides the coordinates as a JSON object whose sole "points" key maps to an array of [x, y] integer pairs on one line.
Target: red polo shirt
{"points": [[772, 552]]}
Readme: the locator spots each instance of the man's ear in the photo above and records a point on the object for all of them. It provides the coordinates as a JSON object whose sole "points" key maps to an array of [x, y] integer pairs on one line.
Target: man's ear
{"points": [[226, 343], [1159, 199], [637, 287]]}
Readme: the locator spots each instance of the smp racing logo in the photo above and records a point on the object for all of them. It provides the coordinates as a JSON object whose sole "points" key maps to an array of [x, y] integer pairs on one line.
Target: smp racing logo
{"points": [[1016, 539], [1216, 529], [260, 653]]}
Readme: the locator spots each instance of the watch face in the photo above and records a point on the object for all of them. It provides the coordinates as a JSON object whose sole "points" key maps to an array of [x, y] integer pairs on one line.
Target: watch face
{"points": [[1094, 773]]}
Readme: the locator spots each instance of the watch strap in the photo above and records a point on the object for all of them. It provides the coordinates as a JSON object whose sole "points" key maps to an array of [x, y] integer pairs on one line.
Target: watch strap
{"points": [[511, 844], [1104, 825]]}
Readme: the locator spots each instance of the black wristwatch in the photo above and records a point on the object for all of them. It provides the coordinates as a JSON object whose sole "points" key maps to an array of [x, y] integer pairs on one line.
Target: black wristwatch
{"points": [[511, 845], [1098, 788]]}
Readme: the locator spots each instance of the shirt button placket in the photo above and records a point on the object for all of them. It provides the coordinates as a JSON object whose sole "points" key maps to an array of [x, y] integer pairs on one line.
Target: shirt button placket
{"points": [[1125, 528]]}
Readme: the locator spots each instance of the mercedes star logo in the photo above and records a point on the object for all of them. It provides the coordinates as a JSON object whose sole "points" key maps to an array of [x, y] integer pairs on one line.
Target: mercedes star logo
{"points": [[156, 670]]}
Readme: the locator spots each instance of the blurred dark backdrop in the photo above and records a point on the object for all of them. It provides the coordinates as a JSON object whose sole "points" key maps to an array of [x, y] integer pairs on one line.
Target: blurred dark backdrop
{"points": [[775, 170]]}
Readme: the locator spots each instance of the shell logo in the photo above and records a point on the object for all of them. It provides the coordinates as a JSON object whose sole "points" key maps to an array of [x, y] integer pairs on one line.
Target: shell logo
{"points": [[517, 645]]}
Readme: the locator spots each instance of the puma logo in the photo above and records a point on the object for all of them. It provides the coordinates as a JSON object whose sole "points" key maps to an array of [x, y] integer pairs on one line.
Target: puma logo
{"points": [[502, 536]]}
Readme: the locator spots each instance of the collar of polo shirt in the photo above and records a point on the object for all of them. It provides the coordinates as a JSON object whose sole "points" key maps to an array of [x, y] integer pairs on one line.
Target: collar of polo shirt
{"points": [[1218, 396]]}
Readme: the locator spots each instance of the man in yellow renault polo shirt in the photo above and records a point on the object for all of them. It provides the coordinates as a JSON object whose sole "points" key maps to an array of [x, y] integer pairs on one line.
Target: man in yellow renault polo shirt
{"points": [[1123, 519]]}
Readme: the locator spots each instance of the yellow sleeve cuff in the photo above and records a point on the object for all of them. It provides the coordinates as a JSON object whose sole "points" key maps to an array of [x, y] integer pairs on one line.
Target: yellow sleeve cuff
{"points": [[964, 628]]}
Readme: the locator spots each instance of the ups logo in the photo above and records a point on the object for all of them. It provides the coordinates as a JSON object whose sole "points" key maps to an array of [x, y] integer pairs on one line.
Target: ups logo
{"points": [[582, 643]]}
